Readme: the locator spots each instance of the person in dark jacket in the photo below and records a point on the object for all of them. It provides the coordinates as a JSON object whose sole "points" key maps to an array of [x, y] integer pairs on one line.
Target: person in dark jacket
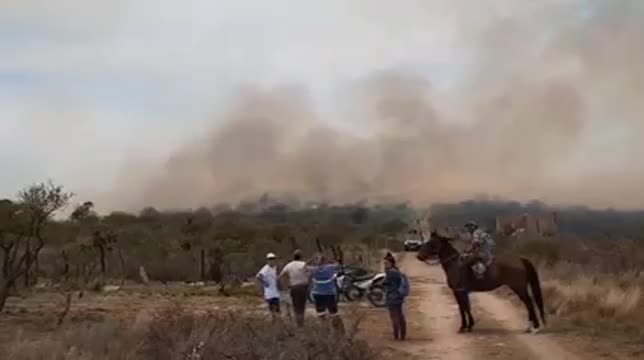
{"points": [[393, 280]]}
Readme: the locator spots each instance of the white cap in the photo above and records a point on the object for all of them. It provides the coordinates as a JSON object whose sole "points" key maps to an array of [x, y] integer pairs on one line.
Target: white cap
{"points": [[270, 256]]}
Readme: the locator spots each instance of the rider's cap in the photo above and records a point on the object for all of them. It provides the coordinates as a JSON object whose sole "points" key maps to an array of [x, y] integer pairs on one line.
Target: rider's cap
{"points": [[270, 256]]}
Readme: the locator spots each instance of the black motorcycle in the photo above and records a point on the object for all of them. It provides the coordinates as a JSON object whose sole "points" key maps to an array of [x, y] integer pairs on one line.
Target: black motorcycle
{"points": [[371, 285]]}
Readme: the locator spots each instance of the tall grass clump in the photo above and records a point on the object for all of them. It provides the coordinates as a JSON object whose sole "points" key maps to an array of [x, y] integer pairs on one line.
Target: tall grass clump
{"points": [[596, 286], [174, 334]]}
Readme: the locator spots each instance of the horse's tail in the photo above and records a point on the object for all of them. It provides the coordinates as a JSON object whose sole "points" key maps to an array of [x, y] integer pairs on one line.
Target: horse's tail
{"points": [[535, 286]]}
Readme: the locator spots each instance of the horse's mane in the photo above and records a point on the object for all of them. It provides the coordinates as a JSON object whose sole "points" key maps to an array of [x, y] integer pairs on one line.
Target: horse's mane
{"points": [[436, 235]]}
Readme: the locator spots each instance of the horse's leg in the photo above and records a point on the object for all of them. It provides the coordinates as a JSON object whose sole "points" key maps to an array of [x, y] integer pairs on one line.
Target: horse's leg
{"points": [[522, 293], [458, 295], [468, 311]]}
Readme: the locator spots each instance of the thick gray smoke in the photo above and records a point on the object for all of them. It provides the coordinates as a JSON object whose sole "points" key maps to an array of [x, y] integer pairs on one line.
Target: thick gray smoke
{"points": [[549, 108]]}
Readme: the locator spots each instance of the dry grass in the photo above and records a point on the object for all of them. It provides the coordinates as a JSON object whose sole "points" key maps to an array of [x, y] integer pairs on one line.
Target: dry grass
{"points": [[599, 303], [171, 321], [174, 333], [592, 286]]}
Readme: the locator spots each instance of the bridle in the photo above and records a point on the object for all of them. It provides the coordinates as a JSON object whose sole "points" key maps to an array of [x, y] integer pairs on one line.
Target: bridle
{"points": [[441, 262]]}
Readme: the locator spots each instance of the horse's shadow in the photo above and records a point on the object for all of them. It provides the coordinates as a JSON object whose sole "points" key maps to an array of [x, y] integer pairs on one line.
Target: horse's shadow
{"points": [[495, 331], [499, 331]]}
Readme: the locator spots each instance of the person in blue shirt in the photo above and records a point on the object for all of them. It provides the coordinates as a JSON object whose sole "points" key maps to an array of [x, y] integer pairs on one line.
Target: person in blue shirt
{"points": [[325, 293], [395, 300]]}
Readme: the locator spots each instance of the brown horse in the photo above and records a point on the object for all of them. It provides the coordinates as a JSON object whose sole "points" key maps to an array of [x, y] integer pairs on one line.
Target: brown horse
{"points": [[517, 273]]}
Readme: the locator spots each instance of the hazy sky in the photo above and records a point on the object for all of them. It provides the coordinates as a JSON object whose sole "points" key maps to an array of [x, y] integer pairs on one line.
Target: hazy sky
{"points": [[101, 78], [89, 88]]}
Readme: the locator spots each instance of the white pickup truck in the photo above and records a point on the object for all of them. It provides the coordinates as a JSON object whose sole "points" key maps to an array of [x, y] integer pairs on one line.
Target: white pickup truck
{"points": [[412, 244]]}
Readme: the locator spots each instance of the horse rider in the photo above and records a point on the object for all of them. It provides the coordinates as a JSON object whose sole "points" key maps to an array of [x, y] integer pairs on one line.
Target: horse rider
{"points": [[479, 253]]}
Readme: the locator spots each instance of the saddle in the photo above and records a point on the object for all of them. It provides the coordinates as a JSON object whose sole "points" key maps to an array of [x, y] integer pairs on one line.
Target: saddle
{"points": [[479, 269], [361, 277], [478, 266]]}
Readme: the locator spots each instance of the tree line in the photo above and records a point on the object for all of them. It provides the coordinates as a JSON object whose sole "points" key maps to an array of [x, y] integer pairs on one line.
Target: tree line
{"points": [[577, 221], [220, 243], [224, 243]]}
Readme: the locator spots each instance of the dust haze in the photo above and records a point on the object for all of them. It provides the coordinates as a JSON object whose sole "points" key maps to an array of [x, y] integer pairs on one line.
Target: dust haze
{"points": [[549, 108]]}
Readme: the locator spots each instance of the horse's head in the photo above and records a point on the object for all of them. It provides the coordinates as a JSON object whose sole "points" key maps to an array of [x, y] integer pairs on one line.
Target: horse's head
{"points": [[432, 247]]}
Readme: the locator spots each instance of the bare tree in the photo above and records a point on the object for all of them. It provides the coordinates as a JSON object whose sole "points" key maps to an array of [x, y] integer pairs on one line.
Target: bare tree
{"points": [[84, 255], [22, 235], [196, 228], [81, 267], [103, 238]]}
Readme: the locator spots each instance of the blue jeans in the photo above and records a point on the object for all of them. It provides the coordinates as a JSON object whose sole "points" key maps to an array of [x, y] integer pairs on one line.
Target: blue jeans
{"points": [[273, 305], [398, 322], [325, 303]]}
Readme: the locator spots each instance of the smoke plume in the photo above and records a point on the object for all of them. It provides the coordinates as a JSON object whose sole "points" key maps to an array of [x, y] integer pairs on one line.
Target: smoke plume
{"points": [[547, 108]]}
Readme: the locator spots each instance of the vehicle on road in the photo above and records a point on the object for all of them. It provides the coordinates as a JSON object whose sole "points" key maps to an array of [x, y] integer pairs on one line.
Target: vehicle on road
{"points": [[412, 244]]}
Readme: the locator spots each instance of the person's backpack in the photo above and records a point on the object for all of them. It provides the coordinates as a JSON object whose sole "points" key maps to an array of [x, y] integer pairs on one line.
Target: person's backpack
{"points": [[403, 289]]}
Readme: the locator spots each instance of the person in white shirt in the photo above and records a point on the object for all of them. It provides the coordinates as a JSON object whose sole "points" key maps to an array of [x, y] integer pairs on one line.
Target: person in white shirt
{"points": [[298, 280], [267, 277]]}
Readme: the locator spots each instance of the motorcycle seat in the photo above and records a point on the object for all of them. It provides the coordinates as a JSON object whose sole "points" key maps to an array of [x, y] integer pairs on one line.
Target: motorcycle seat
{"points": [[362, 277]]}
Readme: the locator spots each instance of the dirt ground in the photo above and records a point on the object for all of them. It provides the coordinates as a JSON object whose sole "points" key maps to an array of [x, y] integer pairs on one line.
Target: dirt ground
{"points": [[498, 333]]}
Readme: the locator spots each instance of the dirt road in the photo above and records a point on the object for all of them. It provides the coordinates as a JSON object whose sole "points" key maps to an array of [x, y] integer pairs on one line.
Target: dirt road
{"points": [[498, 334]]}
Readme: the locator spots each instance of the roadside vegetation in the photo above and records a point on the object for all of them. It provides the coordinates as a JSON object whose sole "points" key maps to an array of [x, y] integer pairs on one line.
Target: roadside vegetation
{"points": [[593, 286], [177, 333]]}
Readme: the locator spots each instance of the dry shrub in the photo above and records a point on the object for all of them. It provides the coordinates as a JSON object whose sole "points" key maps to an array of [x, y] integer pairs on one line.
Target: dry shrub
{"points": [[178, 334], [606, 256], [545, 250], [594, 301], [84, 341], [595, 286]]}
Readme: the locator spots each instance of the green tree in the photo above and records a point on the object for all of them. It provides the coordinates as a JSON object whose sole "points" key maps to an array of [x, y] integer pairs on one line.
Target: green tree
{"points": [[22, 231]]}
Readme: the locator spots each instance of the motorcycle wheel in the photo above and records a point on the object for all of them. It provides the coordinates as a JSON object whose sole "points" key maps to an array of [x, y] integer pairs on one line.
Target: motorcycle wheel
{"points": [[353, 293], [312, 300], [310, 296], [377, 296]]}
